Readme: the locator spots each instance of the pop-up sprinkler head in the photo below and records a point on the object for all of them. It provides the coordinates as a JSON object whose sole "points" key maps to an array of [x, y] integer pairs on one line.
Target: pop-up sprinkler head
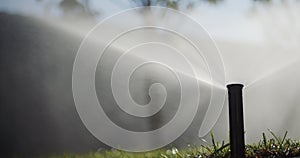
{"points": [[236, 121]]}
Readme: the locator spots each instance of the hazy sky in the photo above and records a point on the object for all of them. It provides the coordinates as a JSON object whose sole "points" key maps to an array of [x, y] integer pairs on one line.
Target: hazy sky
{"points": [[220, 20]]}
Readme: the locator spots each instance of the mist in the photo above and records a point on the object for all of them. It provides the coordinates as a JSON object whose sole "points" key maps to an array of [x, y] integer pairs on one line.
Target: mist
{"points": [[258, 42]]}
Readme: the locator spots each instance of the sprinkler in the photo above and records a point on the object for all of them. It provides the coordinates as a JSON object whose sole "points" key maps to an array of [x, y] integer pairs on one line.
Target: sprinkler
{"points": [[236, 121]]}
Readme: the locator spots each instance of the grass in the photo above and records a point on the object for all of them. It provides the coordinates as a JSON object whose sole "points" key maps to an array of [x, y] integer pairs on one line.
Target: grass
{"points": [[274, 147]]}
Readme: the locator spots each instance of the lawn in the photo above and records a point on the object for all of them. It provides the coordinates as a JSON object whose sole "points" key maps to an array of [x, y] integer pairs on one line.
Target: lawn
{"points": [[274, 147]]}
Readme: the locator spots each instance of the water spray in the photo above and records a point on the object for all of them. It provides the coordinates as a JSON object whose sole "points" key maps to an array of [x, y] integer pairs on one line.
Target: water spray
{"points": [[236, 121]]}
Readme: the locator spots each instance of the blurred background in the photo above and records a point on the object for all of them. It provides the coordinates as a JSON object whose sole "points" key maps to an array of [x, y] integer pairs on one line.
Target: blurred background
{"points": [[258, 41]]}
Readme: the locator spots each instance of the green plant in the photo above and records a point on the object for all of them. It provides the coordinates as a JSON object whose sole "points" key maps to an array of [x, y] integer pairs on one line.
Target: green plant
{"points": [[275, 147]]}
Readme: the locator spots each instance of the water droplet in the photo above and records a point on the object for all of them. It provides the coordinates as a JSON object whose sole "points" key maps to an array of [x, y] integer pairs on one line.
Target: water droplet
{"points": [[174, 151], [168, 152]]}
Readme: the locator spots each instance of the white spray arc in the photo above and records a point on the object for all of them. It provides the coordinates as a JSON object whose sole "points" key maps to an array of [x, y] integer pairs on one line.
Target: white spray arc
{"points": [[262, 91], [142, 43]]}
